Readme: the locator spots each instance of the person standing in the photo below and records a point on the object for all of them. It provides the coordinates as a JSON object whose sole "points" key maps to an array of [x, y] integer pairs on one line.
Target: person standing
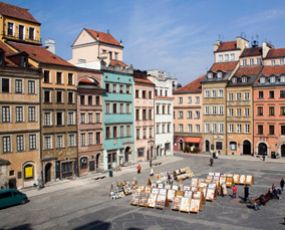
{"points": [[211, 161], [139, 168], [234, 191], [151, 173], [246, 192], [282, 184]]}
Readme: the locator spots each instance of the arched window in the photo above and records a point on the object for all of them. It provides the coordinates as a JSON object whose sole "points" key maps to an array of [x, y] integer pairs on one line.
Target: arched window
{"points": [[83, 162], [233, 145], [28, 172]]}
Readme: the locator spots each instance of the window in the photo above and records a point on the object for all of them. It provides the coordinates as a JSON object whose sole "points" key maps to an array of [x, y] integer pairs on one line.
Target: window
{"points": [[114, 88], [221, 57], [197, 128], [233, 145], [115, 132], [128, 91], [238, 96], [122, 133], [46, 76], [70, 97], [59, 141], [214, 93], [144, 94], [144, 115], [128, 108], [271, 94], [47, 142], [82, 139], [21, 31], [150, 95], [97, 100], [6, 144], [190, 114], [97, 117], [107, 108], [246, 112], [271, 111], [226, 57], [47, 119], [19, 114], [251, 61], [98, 138], [32, 113], [244, 80], [239, 112], [138, 134], [234, 80], [150, 132], [272, 79], [47, 96], [282, 129], [197, 99], [190, 128], [71, 118], [210, 75], [180, 116], [90, 138], [180, 100], [180, 128], [59, 118], [140, 152], [72, 140], [59, 97], [163, 109], [82, 118], [5, 85], [31, 33], [58, 78], [207, 93], [260, 111], [18, 86], [82, 100], [107, 86], [260, 95], [232, 56], [90, 100], [121, 108], [246, 96], [231, 128], [271, 130], [70, 79], [31, 87], [114, 108], [108, 134], [238, 128], [282, 93], [128, 130], [90, 117], [197, 114], [244, 62], [32, 141], [273, 62], [260, 129], [282, 111], [150, 114], [6, 117], [207, 128], [246, 128], [231, 112], [10, 29], [259, 61], [219, 75], [219, 145]]}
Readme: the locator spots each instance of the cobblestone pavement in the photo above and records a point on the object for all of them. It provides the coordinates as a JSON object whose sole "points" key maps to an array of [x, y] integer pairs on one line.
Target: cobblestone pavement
{"points": [[88, 206]]}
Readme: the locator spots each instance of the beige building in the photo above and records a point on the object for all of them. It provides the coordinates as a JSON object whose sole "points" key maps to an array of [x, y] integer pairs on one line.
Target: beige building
{"points": [[188, 117], [19, 120], [214, 88], [144, 116]]}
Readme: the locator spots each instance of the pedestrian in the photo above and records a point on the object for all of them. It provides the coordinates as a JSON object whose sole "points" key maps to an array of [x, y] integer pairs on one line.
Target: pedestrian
{"points": [[151, 173], [235, 189], [211, 161], [139, 168], [282, 184], [263, 157], [246, 193]]}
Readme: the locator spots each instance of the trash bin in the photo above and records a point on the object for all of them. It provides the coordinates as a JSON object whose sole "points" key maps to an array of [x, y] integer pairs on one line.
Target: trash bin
{"points": [[110, 173]]}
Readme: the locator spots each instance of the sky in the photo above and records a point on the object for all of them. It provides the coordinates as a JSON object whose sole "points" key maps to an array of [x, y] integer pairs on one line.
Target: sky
{"points": [[176, 36]]}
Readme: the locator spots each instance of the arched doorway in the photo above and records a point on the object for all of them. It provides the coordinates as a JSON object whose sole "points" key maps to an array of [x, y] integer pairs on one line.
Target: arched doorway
{"points": [[283, 150], [48, 172], [181, 145], [207, 146], [262, 149], [127, 152], [246, 148]]}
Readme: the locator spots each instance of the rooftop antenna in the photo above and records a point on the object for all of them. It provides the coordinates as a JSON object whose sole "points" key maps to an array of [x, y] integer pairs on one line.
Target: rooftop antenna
{"points": [[219, 37], [108, 31]]}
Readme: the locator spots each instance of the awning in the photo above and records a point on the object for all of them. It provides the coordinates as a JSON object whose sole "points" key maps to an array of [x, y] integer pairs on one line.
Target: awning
{"points": [[195, 140]]}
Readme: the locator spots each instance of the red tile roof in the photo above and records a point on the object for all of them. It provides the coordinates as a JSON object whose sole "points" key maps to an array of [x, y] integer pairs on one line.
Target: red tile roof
{"points": [[192, 87], [224, 66], [117, 63], [227, 46], [7, 52], [248, 71], [16, 12], [276, 53], [253, 51], [273, 70], [143, 81], [40, 54], [103, 37]]}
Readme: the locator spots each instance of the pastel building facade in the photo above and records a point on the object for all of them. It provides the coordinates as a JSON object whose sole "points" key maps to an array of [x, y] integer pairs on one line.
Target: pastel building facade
{"points": [[163, 112], [144, 116], [188, 117]]}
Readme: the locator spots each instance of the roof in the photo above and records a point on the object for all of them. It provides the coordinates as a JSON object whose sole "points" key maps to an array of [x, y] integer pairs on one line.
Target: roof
{"points": [[275, 53], [16, 12], [40, 54], [103, 37], [143, 81], [7, 52], [248, 71], [227, 46], [253, 51], [224, 66], [117, 63], [192, 87], [273, 70]]}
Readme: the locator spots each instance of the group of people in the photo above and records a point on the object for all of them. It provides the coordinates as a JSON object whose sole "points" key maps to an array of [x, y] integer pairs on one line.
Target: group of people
{"points": [[139, 169], [235, 191]]}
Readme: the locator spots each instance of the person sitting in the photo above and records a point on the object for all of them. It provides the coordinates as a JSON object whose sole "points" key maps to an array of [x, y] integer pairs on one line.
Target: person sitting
{"points": [[256, 206], [275, 194]]}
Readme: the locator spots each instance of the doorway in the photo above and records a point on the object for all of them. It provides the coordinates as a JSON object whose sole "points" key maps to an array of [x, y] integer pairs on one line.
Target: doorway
{"points": [[262, 149], [283, 150], [48, 172], [246, 148], [207, 147]]}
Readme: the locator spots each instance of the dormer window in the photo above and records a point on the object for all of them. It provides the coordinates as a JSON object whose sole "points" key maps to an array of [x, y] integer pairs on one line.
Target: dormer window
{"points": [[251, 61], [272, 79], [282, 79], [31, 33], [23, 61], [244, 79], [259, 61], [232, 56], [282, 60], [21, 32], [234, 80], [262, 80], [1, 58], [244, 62], [210, 75], [221, 59], [273, 62], [10, 29], [219, 75]]}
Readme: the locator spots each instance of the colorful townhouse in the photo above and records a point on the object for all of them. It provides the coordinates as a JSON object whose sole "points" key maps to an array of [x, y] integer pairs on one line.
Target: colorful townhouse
{"points": [[269, 105], [214, 90], [89, 121], [188, 117], [240, 102], [163, 101], [144, 116], [19, 120]]}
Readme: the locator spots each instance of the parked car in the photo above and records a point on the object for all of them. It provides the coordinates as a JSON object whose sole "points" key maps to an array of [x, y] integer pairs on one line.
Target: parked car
{"points": [[10, 197]]}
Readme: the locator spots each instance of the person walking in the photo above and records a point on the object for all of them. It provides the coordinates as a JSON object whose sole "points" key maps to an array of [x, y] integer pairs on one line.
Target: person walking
{"points": [[282, 184], [151, 173], [139, 168], [235, 189], [211, 161], [246, 193]]}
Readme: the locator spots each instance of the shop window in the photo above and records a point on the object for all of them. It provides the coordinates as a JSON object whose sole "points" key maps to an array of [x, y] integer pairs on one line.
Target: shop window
{"points": [[233, 145], [83, 163], [219, 145], [28, 172]]}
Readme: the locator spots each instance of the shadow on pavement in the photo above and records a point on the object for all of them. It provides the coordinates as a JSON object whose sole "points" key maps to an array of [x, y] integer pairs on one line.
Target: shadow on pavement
{"points": [[22, 227], [97, 224]]}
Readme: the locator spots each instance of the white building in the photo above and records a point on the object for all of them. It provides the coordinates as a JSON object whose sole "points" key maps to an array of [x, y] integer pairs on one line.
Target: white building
{"points": [[163, 112]]}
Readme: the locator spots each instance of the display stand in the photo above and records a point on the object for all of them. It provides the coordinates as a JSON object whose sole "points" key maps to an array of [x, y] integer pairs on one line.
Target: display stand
{"points": [[249, 180], [242, 179], [236, 178], [160, 201], [229, 181], [185, 204], [151, 200]]}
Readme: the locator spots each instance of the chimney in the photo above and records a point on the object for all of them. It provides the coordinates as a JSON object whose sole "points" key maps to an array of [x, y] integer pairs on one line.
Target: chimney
{"points": [[50, 45], [216, 45], [265, 48]]}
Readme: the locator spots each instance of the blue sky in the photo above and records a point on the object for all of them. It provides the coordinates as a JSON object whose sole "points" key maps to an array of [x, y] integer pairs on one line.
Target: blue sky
{"points": [[172, 35]]}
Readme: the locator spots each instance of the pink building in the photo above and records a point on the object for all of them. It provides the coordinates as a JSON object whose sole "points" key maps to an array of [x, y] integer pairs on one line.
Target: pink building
{"points": [[269, 106], [89, 117]]}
